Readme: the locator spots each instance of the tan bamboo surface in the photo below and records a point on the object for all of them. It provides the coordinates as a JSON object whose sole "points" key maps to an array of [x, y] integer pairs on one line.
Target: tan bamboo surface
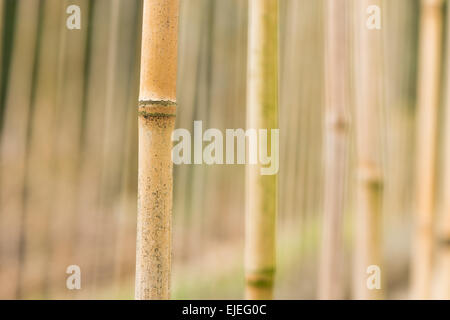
{"points": [[157, 108], [336, 152], [428, 102], [369, 103]]}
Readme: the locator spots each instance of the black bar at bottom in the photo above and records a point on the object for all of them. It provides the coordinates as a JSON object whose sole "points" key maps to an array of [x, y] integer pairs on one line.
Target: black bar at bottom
{"points": [[232, 309]]}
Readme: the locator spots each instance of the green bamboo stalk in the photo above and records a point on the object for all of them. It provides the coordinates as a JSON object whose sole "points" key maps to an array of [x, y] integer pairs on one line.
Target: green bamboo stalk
{"points": [[430, 55], [262, 113], [157, 107]]}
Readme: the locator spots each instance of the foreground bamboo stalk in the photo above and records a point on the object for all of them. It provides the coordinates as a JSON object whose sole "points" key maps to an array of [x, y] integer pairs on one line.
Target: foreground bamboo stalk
{"points": [[336, 149], [261, 190], [157, 107], [368, 88], [427, 111]]}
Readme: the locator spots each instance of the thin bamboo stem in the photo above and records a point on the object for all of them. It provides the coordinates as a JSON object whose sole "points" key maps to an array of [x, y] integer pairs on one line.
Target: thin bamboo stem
{"points": [[261, 190], [431, 25], [336, 150], [157, 107], [368, 86]]}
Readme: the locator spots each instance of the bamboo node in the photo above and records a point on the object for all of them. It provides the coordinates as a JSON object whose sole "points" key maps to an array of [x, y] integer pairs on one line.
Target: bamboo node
{"points": [[370, 177], [339, 124], [157, 110], [166, 103], [260, 283], [263, 278], [443, 241]]}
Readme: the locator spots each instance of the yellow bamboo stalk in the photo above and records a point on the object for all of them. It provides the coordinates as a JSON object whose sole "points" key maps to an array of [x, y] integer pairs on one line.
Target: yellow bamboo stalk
{"points": [[157, 107], [261, 190], [336, 149], [441, 288], [427, 111], [368, 84]]}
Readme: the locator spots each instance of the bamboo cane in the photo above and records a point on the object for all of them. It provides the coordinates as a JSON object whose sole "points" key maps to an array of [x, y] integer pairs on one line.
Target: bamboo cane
{"points": [[157, 107], [428, 104], [336, 149], [261, 190], [369, 99]]}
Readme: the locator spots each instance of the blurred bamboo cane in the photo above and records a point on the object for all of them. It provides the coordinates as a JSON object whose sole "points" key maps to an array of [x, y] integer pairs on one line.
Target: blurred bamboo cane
{"points": [[157, 107], [336, 149], [261, 190], [14, 146], [427, 112], [39, 159], [368, 86], [442, 275]]}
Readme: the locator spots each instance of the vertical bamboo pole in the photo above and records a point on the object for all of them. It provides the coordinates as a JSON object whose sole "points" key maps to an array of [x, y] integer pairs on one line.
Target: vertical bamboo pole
{"points": [[368, 88], [427, 111], [336, 149], [261, 190], [157, 107], [442, 280]]}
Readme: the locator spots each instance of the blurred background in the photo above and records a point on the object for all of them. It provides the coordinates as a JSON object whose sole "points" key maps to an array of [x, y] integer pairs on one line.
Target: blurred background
{"points": [[68, 148]]}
